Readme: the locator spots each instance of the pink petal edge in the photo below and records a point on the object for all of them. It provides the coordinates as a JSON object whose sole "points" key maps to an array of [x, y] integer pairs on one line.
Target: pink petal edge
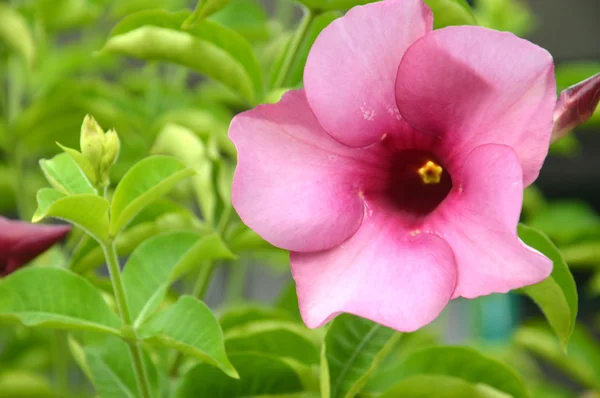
{"points": [[383, 273], [351, 69]]}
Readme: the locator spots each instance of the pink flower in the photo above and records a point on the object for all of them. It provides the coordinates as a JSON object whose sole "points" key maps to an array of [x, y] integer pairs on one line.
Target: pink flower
{"points": [[396, 177], [21, 242]]}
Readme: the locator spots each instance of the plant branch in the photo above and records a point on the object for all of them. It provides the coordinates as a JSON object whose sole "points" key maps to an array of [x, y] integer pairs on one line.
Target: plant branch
{"points": [[293, 48], [110, 253], [61, 362]]}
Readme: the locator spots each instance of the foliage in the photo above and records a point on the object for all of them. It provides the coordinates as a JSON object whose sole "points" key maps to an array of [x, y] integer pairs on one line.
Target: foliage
{"points": [[154, 192]]}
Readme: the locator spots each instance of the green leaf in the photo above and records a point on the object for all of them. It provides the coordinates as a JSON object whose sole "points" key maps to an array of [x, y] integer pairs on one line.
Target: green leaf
{"points": [[7, 190], [593, 286], [145, 182], [582, 255], [543, 389], [288, 301], [533, 202], [190, 327], [259, 376], [386, 376], [204, 123], [354, 348], [207, 48], [318, 24], [57, 116], [92, 257], [24, 384], [123, 8], [64, 174], [567, 221], [158, 218], [203, 9], [158, 261], [182, 143], [557, 295], [426, 386], [571, 73], [505, 15], [466, 364], [111, 370], [281, 339], [332, 5], [82, 162], [66, 14], [451, 12], [248, 245], [567, 146], [89, 212], [583, 361], [16, 33], [236, 317], [56, 298], [249, 18], [78, 354], [225, 181]]}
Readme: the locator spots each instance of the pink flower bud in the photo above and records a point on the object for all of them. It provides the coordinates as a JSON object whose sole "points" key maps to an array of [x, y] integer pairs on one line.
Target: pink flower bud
{"points": [[575, 106], [21, 242]]}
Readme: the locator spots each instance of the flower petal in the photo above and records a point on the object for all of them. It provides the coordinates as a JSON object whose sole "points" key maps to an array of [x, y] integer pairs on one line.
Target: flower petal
{"points": [[21, 242], [383, 273], [351, 69], [474, 86], [479, 221], [294, 185]]}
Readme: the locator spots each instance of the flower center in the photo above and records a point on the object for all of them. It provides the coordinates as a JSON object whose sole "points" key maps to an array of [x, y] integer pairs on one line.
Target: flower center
{"points": [[418, 183], [431, 173]]}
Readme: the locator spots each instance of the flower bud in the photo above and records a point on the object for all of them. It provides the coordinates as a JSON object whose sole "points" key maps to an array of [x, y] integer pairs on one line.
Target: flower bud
{"points": [[112, 148], [92, 141], [21, 242], [575, 106]]}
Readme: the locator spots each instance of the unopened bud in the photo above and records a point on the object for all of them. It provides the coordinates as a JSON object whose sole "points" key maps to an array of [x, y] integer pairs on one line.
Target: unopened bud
{"points": [[575, 106], [92, 141], [100, 149], [112, 148]]}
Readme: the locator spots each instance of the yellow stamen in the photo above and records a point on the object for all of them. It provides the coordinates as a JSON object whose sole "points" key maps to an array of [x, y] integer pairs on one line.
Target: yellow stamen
{"points": [[431, 173]]}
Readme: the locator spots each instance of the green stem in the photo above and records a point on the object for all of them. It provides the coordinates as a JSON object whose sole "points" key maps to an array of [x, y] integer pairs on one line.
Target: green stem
{"points": [[60, 362], [200, 288], [224, 220], [15, 91], [110, 253], [139, 368], [236, 283], [293, 48], [203, 279]]}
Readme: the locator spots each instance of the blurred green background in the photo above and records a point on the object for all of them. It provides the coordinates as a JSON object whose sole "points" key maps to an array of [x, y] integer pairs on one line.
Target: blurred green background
{"points": [[48, 90]]}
